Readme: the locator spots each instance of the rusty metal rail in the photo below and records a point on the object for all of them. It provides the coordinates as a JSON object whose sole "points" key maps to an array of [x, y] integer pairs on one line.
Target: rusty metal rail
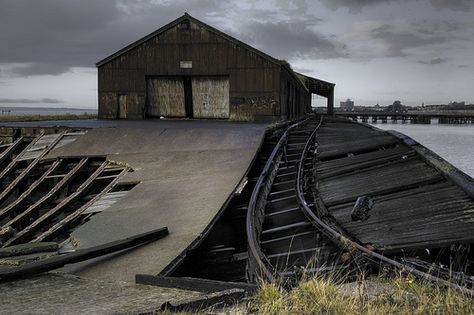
{"points": [[258, 262]]}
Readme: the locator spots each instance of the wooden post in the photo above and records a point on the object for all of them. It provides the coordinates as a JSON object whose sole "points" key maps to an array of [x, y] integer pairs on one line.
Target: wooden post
{"points": [[330, 110]]}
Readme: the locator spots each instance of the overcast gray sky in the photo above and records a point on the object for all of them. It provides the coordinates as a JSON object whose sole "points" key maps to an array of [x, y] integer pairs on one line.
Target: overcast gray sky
{"points": [[376, 51]]}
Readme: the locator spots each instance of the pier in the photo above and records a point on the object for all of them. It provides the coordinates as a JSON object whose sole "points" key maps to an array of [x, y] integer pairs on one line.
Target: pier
{"points": [[448, 117]]}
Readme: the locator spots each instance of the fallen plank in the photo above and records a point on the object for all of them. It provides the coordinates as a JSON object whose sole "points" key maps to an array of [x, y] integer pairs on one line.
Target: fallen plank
{"points": [[28, 248], [216, 299], [80, 255], [194, 284]]}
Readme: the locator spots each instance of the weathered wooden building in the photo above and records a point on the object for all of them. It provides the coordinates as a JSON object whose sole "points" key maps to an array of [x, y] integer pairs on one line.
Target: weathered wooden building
{"points": [[190, 69]]}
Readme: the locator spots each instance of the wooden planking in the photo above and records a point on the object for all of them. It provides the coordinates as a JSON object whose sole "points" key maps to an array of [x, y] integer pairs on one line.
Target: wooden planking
{"points": [[415, 206], [165, 97], [376, 181], [43, 219], [40, 147], [210, 97], [428, 216], [360, 159], [327, 151], [377, 159]]}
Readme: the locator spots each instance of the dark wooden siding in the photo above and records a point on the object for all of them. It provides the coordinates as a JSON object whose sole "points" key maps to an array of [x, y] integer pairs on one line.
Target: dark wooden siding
{"points": [[254, 81]]}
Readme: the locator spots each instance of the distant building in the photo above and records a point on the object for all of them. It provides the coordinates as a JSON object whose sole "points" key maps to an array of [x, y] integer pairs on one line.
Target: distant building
{"points": [[457, 104], [347, 106]]}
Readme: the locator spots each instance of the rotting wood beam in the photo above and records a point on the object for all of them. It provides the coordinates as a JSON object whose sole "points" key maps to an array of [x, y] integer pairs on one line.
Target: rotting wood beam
{"points": [[24, 174], [36, 160], [58, 227], [366, 165], [385, 191], [328, 152], [194, 284], [15, 161], [50, 194], [10, 150], [456, 176], [55, 262], [11, 207], [38, 223]]}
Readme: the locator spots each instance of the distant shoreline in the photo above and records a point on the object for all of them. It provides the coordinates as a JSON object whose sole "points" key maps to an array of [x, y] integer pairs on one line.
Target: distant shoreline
{"points": [[10, 113], [20, 118]]}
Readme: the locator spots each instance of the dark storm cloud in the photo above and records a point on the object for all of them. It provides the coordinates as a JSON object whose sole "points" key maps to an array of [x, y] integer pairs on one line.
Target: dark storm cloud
{"points": [[435, 61], [286, 40], [30, 101], [455, 5], [356, 6], [50, 36], [37, 68], [399, 41]]}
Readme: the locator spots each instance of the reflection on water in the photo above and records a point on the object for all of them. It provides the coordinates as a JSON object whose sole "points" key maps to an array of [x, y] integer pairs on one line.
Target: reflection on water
{"points": [[455, 143]]}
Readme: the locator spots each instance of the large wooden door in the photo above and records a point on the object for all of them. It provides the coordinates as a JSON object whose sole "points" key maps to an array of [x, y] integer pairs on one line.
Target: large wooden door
{"points": [[210, 97], [122, 106], [165, 97]]}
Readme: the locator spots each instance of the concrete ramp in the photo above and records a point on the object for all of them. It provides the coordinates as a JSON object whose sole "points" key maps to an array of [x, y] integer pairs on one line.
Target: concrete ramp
{"points": [[186, 170]]}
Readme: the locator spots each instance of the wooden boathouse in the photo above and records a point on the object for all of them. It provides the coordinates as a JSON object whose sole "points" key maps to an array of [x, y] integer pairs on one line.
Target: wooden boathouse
{"points": [[190, 69]]}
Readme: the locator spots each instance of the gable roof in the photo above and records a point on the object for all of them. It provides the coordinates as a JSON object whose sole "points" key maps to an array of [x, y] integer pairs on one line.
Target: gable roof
{"points": [[188, 17], [176, 22]]}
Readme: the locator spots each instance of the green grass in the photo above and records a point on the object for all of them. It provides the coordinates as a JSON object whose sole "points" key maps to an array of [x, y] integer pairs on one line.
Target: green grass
{"points": [[9, 118], [321, 295]]}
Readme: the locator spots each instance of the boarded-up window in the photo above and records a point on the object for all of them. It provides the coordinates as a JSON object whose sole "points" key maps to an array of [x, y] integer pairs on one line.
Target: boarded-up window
{"points": [[165, 97], [210, 97]]}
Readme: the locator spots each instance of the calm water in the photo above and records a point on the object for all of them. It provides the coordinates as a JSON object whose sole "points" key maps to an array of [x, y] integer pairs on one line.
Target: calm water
{"points": [[455, 143], [15, 111]]}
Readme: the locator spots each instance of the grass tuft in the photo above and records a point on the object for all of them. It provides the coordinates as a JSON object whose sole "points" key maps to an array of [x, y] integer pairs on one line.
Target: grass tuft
{"points": [[397, 295]]}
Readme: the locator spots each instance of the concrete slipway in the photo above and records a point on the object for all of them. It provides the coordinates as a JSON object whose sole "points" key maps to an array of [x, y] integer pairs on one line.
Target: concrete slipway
{"points": [[186, 171]]}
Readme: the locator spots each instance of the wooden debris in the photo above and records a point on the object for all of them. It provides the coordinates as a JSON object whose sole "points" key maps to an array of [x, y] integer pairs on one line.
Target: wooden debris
{"points": [[80, 255], [194, 284], [28, 248]]}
